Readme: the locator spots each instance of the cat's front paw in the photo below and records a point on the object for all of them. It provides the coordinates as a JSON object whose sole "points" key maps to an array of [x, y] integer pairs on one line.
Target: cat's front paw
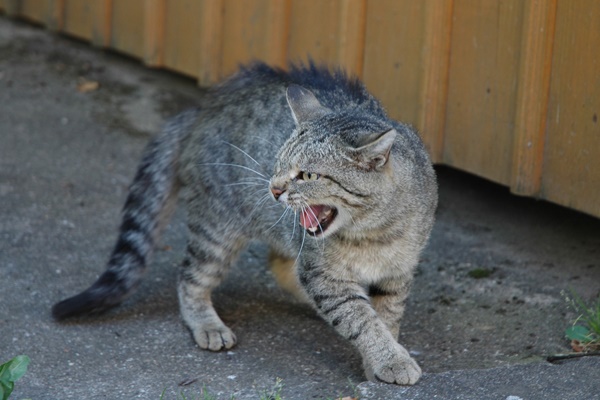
{"points": [[214, 337], [398, 368]]}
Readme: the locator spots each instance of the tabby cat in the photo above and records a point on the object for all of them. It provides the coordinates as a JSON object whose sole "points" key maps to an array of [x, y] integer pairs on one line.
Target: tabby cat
{"points": [[357, 193]]}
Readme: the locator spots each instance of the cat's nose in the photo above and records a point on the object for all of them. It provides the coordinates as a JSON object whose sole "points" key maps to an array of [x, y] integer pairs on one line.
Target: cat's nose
{"points": [[277, 192]]}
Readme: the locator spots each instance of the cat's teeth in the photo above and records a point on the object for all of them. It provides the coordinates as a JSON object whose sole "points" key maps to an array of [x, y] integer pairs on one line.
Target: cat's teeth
{"points": [[313, 229]]}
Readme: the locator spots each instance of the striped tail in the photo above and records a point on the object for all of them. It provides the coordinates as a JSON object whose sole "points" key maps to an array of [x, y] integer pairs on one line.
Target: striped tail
{"points": [[151, 200]]}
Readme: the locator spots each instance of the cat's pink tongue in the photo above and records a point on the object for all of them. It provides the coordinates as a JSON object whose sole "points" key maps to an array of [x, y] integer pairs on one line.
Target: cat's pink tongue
{"points": [[308, 218]]}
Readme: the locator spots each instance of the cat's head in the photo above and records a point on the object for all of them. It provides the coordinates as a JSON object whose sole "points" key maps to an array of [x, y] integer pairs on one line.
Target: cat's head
{"points": [[334, 170]]}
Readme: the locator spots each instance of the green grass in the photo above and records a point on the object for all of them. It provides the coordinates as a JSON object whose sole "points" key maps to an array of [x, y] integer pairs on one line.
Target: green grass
{"points": [[204, 394], [480, 273], [585, 330]]}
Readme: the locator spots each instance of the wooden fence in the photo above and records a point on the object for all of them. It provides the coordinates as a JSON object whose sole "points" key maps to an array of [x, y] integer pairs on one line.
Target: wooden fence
{"points": [[506, 89]]}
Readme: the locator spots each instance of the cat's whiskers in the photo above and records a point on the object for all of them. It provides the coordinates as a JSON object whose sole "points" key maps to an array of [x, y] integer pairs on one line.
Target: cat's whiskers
{"points": [[301, 247], [262, 188], [250, 181], [259, 202], [245, 184], [263, 139], [283, 214], [243, 152], [318, 223], [293, 226], [352, 219], [239, 166]]}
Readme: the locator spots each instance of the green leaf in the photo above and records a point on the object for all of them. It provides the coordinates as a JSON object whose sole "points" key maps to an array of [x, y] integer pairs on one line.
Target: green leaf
{"points": [[578, 332], [13, 369], [17, 367], [6, 389], [10, 372]]}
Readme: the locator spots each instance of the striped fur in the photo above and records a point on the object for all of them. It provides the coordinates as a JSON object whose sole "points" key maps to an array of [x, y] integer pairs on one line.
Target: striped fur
{"points": [[147, 209], [318, 144]]}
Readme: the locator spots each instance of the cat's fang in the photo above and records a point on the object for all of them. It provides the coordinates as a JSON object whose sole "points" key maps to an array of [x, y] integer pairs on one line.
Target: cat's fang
{"points": [[317, 218]]}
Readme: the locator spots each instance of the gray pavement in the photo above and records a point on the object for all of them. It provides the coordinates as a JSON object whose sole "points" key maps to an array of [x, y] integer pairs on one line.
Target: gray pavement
{"points": [[66, 159]]}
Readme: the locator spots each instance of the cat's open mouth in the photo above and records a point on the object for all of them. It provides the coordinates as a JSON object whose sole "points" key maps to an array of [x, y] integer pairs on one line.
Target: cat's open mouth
{"points": [[316, 219]]}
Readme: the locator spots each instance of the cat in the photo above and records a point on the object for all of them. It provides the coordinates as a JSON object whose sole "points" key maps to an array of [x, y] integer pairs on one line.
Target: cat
{"points": [[307, 161]]}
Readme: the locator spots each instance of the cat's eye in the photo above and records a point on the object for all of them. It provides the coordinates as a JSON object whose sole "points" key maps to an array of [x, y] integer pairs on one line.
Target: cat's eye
{"points": [[308, 176]]}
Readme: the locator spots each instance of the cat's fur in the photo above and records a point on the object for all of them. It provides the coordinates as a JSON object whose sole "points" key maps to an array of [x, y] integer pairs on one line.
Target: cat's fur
{"points": [[306, 139]]}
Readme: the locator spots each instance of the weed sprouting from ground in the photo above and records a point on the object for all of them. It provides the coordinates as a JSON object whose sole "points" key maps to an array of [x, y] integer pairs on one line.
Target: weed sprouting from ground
{"points": [[274, 393], [204, 394], [585, 331], [10, 372]]}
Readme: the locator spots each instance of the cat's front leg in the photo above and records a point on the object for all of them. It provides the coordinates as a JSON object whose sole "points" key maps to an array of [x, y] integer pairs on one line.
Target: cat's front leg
{"points": [[346, 306], [388, 299]]}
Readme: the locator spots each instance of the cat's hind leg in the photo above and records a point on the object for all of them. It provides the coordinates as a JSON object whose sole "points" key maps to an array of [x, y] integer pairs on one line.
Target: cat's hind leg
{"points": [[284, 272], [207, 261]]}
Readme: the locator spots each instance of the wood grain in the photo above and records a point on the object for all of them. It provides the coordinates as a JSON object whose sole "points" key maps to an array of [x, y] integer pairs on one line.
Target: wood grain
{"points": [[505, 89], [253, 31], [392, 70], [482, 88], [210, 43], [328, 32], [434, 77], [79, 18], [33, 10], [154, 32], [128, 27], [571, 170], [532, 96]]}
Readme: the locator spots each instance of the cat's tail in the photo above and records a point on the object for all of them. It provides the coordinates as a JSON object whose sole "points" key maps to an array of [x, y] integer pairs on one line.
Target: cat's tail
{"points": [[151, 200]]}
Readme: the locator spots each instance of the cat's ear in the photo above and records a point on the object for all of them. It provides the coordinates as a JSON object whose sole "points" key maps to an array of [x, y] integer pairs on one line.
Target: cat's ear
{"points": [[304, 104], [375, 154]]}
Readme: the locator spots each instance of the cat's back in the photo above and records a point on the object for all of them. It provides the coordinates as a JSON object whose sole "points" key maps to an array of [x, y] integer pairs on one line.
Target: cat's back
{"points": [[258, 82], [249, 111]]}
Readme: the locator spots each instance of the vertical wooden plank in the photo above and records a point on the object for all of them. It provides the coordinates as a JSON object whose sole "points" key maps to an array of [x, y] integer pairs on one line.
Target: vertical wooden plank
{"points": [[154, 32], [55, 16], [86, 19], [127, 27], [482, 87], [351, 41], [183, 25], [34, 10], [102, 22], [312, 30], [278, 13], [532, 101], [12, 7], [571, 173], [250, 33], [393, 53], [46, 12], [210, 43], [192, 38], [434, 81], [78, 18], [330, 32]]}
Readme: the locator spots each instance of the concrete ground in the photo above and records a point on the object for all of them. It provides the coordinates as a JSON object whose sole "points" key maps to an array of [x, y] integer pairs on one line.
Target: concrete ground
{"points": [[485, 312]]}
